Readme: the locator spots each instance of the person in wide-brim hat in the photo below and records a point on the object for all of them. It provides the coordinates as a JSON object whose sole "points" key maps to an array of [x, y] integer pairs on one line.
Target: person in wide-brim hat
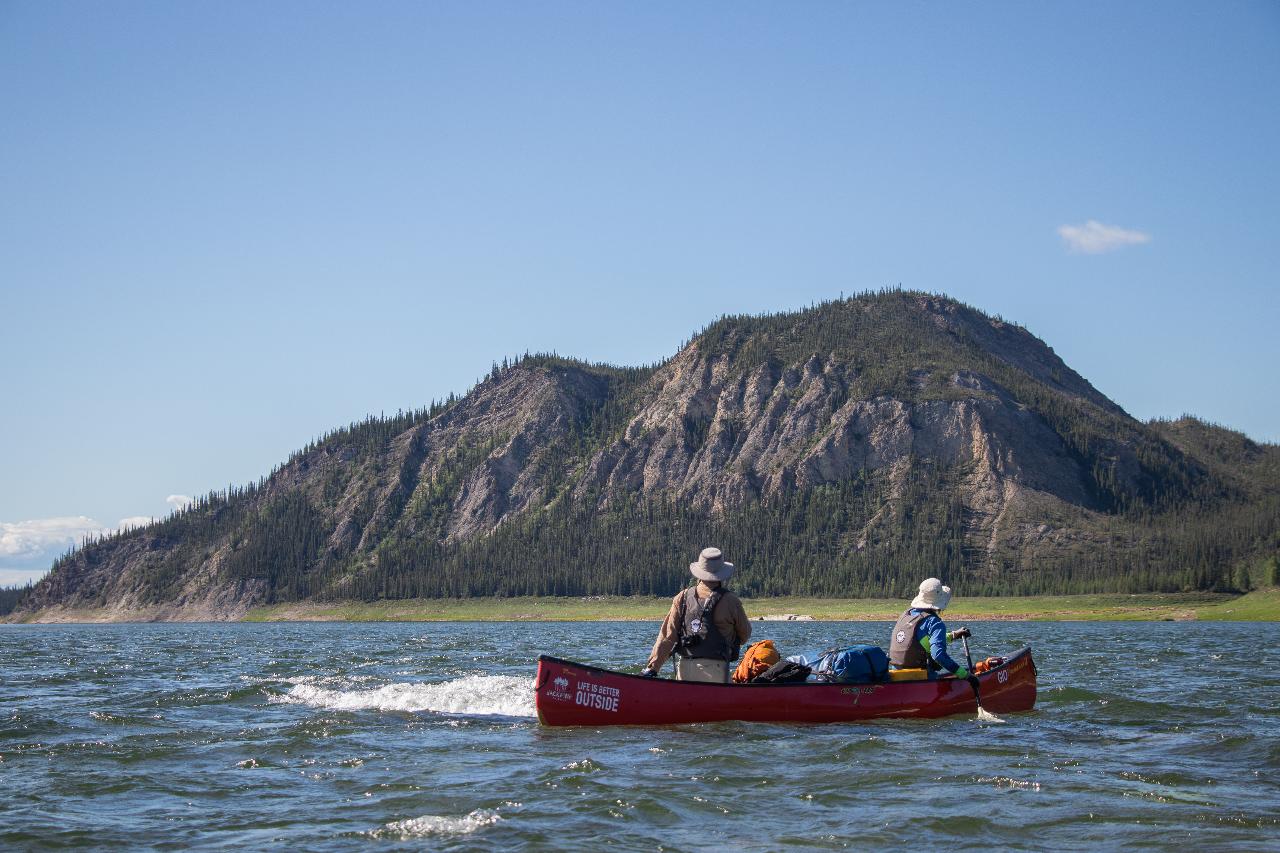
{"points": [[919, 638], [706, 625]]}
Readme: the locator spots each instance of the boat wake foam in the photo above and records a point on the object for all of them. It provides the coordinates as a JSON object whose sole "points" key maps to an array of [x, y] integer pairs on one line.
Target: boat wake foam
{"points": [[476, 695], [421, 827]]}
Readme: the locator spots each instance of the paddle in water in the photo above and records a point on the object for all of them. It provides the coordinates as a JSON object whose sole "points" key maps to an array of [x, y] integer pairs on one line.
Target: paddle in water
{"points": [[983, 713]]}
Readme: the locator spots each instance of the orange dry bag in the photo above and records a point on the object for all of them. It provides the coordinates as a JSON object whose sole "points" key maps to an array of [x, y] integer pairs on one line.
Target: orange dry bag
{"points": [[758, 658], [986, 665]]}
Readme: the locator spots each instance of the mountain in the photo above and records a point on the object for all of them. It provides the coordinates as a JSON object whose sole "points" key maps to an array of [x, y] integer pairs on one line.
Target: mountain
{"points": [[846, 450]]}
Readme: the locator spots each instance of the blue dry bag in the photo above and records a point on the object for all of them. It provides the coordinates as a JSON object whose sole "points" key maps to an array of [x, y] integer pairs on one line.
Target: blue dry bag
{"points": [[861, 664]]}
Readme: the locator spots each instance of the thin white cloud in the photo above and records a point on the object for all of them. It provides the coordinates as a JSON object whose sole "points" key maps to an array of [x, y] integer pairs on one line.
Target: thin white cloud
{"points": [[28, 548], [24, 541], [1094, 238], [178, 502]]}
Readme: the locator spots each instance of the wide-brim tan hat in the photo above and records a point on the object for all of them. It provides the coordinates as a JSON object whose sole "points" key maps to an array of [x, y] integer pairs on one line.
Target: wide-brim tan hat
{"points": [[933, 596], [711, 566]]}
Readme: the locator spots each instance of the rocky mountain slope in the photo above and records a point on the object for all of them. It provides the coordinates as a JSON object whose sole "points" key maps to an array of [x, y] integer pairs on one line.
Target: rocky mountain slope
{"points": [[844, 449]]}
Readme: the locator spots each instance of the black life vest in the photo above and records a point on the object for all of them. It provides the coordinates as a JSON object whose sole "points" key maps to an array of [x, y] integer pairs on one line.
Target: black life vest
{"points": [[696, 632], [905, 651]]}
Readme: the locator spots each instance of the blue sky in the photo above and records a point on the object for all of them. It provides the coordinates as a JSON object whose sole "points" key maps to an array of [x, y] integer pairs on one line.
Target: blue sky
{"points": [[226, 228]]}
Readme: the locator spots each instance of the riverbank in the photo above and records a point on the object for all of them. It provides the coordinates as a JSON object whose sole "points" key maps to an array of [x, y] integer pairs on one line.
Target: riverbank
{"points": [[1256, 606]]}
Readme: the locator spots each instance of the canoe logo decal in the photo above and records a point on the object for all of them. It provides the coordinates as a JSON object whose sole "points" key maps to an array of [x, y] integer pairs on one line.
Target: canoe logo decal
{"points": [[598, 696], [856, 693], [560, 689], [1002, 676]]}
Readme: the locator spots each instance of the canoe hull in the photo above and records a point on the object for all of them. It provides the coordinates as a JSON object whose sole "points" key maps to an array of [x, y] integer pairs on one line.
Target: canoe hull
{"points": [[576, 694]]}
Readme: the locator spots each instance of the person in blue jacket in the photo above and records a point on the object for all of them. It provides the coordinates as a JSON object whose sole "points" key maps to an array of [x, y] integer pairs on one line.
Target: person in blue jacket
{"points": [[920, 636]]}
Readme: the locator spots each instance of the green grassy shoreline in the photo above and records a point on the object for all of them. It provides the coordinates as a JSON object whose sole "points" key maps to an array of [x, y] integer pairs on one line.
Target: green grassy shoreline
{"points": [[1260, 606]]}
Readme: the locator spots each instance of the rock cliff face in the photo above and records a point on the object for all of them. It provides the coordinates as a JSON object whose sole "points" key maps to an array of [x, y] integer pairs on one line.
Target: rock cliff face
{"points": [[758, 435], [753, 411]]}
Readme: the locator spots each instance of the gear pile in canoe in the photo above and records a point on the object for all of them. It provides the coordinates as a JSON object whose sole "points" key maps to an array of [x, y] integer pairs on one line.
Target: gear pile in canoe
{"points": [[577, 694]]}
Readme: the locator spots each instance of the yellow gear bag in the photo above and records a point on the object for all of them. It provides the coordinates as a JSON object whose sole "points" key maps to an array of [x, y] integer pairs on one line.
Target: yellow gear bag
{"points": [[908, 675]]}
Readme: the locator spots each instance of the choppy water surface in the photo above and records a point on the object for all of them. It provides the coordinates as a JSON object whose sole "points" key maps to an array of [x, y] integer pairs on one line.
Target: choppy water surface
{"points": [[423, 736]]}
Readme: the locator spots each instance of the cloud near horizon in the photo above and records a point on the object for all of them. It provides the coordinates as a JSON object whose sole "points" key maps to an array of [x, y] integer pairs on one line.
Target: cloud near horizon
{"points": [[24, 540], [179, 502], [28, 548], [1094, 238]]}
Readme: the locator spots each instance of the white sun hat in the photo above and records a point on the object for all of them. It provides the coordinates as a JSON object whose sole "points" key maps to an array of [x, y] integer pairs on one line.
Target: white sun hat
{"points": [[711, 566], [933, 596]]}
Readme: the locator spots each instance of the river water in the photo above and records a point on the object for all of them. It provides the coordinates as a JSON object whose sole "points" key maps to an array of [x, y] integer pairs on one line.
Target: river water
{"points": [[423, 736]]}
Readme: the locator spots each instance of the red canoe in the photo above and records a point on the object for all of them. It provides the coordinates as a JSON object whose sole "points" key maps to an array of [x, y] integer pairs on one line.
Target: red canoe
{"points": [[575, 694]]}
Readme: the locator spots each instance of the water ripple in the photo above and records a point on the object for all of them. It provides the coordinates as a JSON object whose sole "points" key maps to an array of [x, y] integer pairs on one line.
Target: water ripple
{"points": [[321, 737]]}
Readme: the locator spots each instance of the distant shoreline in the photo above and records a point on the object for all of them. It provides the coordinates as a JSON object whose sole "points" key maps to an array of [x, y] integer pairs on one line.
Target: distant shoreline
{"points": [[1259, 606]]}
